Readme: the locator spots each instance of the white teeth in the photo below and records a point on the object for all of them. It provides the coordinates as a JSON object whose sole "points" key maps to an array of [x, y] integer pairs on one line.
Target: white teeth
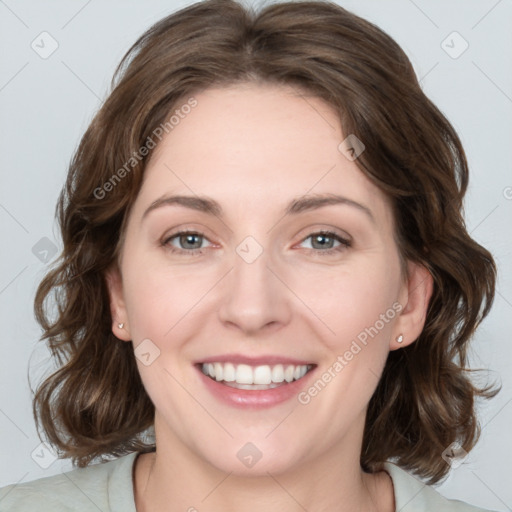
{"points": [[244, 374], [278, 373], [229, 372], [252, 387], [219, 371], [262, 375]]}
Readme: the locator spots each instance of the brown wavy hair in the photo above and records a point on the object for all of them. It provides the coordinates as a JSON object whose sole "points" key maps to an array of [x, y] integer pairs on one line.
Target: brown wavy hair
{"points": [[94, 405]]}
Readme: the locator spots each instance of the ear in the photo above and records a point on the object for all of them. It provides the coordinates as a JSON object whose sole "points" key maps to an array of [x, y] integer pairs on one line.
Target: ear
{"points": [[117, 306], [414, 298]]}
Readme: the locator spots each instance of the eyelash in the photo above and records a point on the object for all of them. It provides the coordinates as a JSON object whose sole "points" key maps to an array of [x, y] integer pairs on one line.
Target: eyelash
{"points": [[344, 243]]}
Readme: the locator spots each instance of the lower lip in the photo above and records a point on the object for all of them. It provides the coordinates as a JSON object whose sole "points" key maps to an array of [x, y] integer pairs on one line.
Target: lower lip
{"points": [[256, 399]]}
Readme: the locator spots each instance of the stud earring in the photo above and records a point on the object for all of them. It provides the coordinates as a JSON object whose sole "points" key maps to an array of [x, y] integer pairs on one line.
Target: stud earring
{"points": [[400, 338], [120, 325]]}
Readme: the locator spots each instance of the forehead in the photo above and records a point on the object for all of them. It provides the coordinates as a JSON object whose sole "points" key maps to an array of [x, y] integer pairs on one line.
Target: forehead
{"points": [[265, 142]]}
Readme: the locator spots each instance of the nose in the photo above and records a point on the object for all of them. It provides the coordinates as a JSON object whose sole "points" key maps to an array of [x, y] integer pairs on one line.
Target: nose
{"points": [[255, 297]]}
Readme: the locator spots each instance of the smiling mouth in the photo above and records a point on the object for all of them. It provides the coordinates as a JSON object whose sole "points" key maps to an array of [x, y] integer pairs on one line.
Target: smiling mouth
{"points": [[244, 376]]}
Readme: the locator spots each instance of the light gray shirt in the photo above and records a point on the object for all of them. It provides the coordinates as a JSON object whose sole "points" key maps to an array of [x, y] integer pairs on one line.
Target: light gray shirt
{"points": [[108, 487]]}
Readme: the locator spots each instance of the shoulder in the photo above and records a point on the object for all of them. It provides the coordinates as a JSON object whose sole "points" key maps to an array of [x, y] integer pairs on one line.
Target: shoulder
{"points": [[107, 487], [412, 495]]}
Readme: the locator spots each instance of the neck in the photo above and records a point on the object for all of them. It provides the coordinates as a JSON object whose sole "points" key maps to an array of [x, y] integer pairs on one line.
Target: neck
{"points": [[171, 480]]}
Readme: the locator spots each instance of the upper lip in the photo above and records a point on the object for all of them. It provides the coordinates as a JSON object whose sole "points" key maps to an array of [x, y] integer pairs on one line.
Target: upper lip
{"points": [[254, 361]]}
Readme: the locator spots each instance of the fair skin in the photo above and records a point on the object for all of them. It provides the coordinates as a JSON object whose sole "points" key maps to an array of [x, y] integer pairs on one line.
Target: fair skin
{"points": [[253, 148]]}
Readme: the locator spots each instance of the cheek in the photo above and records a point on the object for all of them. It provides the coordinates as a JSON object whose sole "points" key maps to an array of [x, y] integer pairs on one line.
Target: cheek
{"points": [[359, 308], [353, 303], [145, 299], [159, 296]]}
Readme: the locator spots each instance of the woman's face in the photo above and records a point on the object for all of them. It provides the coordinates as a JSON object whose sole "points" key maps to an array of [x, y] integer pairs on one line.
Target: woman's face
{"points": [[256, 287]]}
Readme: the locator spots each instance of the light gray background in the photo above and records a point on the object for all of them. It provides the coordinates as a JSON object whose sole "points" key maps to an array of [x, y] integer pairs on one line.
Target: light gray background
{"points": [[46, 104]]}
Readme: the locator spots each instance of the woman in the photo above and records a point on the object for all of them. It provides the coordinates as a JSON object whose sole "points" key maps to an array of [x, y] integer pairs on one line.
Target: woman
{"points": [[309, 345]]}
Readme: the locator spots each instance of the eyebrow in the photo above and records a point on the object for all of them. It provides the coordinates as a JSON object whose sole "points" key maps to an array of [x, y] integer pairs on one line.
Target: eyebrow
{"points": [[302, 204]]}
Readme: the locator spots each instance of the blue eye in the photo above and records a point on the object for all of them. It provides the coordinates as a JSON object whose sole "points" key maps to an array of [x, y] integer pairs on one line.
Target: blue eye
{"points": [[191, 243], [325, 240]]}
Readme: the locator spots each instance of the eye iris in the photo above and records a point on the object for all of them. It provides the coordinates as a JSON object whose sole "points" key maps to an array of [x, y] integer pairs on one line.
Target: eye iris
{"points": [[189, 238], [319, 237]]}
